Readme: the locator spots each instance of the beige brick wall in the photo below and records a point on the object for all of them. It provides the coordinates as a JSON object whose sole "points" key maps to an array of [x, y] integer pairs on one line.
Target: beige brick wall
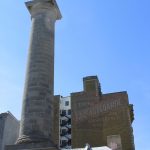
{"points": [[94, 117]]}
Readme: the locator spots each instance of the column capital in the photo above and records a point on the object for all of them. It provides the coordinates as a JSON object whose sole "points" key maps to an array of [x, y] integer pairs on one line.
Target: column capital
{"points": [[44, 4]]}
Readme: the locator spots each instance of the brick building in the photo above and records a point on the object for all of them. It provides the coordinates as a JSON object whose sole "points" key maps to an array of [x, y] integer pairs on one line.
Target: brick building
{"points": [[98, 119]]}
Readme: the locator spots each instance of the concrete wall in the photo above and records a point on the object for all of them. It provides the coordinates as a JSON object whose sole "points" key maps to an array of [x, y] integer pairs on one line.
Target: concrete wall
{"points": [[2, 123], [10, 130]]}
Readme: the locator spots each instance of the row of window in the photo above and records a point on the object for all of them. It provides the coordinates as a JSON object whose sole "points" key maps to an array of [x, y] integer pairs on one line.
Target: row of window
{"points": [[66, 103], [64, 123], [65, 112]]}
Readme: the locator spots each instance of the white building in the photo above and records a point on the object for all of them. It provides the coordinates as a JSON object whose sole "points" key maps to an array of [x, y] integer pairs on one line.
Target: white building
{"points": [[65, 123]]}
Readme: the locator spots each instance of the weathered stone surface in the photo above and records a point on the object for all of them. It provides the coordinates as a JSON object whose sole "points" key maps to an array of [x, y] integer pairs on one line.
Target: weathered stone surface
{"points": [[31, 146], [36, 119]]}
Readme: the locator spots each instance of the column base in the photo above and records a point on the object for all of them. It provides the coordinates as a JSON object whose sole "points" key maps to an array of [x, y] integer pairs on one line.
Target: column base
{"points": [[31, 146], [32, 139]]}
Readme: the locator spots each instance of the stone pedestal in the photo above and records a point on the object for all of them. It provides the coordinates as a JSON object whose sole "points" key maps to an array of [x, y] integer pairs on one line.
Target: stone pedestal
{"points": [[31, 146], [36, 119]]}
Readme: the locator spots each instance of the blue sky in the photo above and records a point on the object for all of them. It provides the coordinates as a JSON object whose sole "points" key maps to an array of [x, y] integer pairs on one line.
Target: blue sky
{"points": [[108, 38]]}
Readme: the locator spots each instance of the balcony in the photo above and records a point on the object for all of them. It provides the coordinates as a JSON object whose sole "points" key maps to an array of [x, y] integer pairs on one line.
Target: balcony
{"points": [[63, 123], [64, 143], [68, 136], [64, 133], [63, 114]]}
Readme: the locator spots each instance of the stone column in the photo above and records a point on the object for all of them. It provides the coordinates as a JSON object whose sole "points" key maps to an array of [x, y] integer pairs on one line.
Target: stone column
{"points": [[39, 85]]}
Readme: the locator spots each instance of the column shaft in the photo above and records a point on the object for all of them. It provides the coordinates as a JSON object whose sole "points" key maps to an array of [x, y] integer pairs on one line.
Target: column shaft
{"points": [[39, 85]]}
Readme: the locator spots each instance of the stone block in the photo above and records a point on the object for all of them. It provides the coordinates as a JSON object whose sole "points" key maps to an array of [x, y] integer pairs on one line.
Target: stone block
{"points": [[31, 146]]}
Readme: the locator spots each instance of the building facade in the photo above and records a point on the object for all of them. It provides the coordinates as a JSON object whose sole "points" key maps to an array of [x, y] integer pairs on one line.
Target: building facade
{"points": [[9, 129], [61, 134], [65, 122], [96, 118]]}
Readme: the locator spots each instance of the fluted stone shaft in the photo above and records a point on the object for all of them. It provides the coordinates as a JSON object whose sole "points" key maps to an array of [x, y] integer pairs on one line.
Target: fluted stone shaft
{"points": [[39, 85]]}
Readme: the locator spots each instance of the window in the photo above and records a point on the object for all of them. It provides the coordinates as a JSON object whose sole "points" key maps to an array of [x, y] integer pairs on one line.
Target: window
{"points": [[63, 112], [69, 112], [66, 103], [63, 143], [63, 131], [63, 122]]}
